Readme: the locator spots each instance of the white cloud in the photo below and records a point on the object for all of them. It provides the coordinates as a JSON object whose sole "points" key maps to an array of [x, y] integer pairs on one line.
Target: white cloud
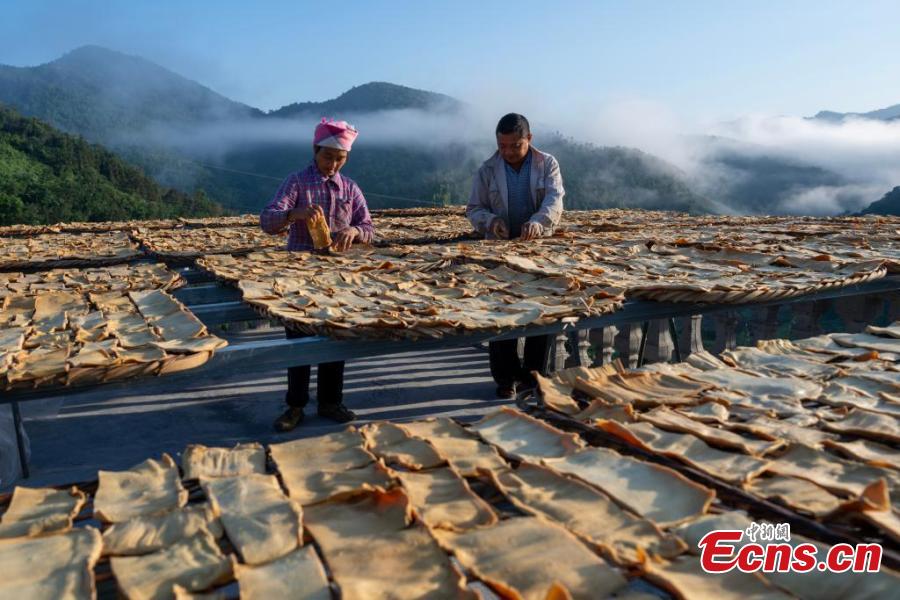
{"points": [[859, 149], [831, 200], [384, 127], [637, 123], [865, 154]]}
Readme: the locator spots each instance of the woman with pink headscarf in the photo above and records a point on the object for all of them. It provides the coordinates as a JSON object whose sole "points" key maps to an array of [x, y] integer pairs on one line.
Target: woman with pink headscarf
{"points": [[320, 189]]}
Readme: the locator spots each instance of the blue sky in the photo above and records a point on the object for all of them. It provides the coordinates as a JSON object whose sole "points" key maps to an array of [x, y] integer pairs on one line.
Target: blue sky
{"points": [[700, 60]]}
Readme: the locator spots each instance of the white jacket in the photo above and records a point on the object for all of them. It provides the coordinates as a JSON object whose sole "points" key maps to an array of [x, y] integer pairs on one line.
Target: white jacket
{"points": [[490, 198]]}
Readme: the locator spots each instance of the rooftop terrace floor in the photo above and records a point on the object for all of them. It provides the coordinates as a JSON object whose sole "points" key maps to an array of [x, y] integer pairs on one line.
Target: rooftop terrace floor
{"points": [[72, 437]]}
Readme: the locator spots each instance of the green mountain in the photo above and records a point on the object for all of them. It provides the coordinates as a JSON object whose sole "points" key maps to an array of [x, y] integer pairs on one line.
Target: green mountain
{"points": [[617, 177], [101, 94], [47, 176], [188, 137], [889, 204], [882, 114], [376, 95]]}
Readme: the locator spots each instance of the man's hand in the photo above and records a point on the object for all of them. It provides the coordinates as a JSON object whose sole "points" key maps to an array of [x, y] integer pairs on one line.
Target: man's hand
{"points": [[499, 228], [304, 213], [531, 231], [343, 239]]}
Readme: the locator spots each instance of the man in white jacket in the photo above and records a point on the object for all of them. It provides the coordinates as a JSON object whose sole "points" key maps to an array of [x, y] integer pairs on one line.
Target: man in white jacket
{"points": [[517, 194]]}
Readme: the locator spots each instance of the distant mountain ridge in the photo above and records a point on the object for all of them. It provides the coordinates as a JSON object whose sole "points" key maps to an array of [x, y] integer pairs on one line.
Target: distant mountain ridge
{"points": [[377, 95], [97, 93], [115, 99], [889, 204], [882, 114]]}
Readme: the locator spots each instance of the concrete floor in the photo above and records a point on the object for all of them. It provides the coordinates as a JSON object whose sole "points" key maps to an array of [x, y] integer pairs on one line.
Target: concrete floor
{"points": [[72, 438]]}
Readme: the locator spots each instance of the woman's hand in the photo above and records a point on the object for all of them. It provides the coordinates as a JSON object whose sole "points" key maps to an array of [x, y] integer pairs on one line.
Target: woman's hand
{"points": [[343, 239], [304, 213]]}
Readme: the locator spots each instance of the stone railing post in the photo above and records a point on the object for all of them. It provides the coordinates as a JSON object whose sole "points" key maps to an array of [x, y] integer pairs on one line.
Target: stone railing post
{"points": [[726, 331], [691, 339], [580, 343], [629, 343], [560, 353], [659, 342], [608, 346], [603, 339]]}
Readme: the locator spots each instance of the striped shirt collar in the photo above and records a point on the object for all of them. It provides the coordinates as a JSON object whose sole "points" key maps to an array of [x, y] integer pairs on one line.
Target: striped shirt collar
{"points": [[522, 167], [312, 174]]}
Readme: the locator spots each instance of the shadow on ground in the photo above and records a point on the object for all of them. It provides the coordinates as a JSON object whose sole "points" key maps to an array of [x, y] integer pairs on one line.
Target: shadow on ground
{"points": [[115, 429]]}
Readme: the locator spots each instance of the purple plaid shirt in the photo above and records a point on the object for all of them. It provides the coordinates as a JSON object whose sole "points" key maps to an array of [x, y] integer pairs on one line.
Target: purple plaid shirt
{"points": [[340, 198]]}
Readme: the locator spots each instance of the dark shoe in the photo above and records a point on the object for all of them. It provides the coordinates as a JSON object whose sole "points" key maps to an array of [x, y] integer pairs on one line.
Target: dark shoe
{"points": [[506, 392], [336, 412], [526, 379], [292, 417], [528, 382]]}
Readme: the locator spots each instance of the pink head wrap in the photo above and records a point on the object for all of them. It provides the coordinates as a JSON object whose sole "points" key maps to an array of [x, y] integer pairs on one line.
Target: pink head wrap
{"points": [[334, 134]]}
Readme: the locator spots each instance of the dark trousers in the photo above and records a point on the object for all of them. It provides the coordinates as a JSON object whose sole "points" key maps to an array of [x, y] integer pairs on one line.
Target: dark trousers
{"points": [[507, 369], [330, 383]]}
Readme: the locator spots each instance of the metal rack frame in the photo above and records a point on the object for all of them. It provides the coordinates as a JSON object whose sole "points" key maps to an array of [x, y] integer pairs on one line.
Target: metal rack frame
{"points": [[215, 303]]}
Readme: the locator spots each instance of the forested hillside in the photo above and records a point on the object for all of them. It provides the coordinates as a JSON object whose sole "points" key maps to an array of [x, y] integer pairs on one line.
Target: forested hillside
{"points": [[47, 176]]}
